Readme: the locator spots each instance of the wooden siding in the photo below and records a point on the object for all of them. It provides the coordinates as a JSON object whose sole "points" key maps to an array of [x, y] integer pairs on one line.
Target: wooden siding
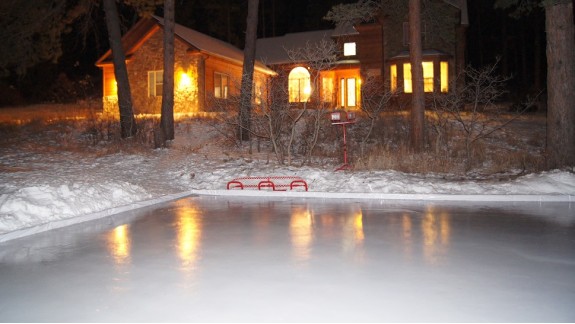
{"points": [[149, 57]]}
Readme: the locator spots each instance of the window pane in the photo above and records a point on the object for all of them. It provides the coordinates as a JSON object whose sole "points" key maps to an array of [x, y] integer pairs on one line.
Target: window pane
{"points": [[351, 92], [293, 90], [349, 49], [217, 85], [444, 76], [155, 83], [407, 78], [393, 72], [225, 86], [327, 89], [299, 85], [342, 92], [427, 76]]}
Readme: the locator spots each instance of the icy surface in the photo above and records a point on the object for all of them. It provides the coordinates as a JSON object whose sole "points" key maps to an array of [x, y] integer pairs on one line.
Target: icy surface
{"points": [[221, 259]]}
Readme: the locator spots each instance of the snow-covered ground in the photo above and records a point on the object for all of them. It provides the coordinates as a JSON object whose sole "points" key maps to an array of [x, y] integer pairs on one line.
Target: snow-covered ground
{"points": [[43, 186]]}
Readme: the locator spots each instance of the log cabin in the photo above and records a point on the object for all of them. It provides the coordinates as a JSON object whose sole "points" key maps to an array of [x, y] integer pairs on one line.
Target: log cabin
{"points": [[207, 71], [374, 52]]}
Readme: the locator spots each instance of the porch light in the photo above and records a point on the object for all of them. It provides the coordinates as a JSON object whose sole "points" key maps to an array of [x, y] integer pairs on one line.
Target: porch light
{"points": [[185, 81]]}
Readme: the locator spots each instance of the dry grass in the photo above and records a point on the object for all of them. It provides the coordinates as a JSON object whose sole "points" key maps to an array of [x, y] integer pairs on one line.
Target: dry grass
{"points": [[516, 149]]}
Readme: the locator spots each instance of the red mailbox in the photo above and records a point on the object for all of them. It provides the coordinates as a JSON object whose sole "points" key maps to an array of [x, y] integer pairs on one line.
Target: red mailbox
{"points": [[341, 116]]}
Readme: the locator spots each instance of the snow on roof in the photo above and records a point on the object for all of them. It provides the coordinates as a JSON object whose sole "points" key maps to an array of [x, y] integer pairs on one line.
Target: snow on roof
{"points": [[213, 46], [345, 29], [273, 50], [426, 52]]}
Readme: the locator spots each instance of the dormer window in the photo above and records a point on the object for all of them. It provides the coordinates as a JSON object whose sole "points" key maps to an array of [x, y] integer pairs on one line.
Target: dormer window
{"points": [[349, 49]]}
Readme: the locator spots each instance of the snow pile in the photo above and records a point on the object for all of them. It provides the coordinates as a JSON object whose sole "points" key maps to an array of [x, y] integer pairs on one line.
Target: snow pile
{"points": [[35, 205]]}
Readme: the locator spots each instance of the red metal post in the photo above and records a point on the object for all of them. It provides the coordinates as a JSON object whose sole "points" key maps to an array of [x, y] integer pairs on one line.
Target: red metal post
{"points": [[345, 165]]}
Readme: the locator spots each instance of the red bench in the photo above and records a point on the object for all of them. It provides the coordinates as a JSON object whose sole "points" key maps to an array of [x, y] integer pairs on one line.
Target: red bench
{"points": [[276, 183]]}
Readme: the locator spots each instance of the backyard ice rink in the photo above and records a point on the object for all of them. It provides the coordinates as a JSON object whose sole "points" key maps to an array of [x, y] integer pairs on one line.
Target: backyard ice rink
{"points": [[252, 259]]}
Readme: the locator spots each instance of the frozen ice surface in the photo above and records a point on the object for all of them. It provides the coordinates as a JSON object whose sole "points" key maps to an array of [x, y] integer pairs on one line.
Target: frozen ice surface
{"points": [[293, 259]]}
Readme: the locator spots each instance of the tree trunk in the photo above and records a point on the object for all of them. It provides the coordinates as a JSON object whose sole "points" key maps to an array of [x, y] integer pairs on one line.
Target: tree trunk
{"points": [[560, 84], [167, 118], [418, 100], [248, 71], [127, 121], [460, 47]]}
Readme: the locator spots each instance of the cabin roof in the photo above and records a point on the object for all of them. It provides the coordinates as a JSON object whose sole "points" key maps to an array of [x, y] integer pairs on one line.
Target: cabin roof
{"points": [[196, 40], [274, 50]]}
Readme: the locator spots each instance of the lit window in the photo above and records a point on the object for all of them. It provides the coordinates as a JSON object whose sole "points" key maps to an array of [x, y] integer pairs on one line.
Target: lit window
{"points": [[327, 89], [221, 85], [393, 72], [155, 83], [348, 92], [427, 77], [444, 66], [299, 85], [351, 92], [407, 78], [349, 49]]}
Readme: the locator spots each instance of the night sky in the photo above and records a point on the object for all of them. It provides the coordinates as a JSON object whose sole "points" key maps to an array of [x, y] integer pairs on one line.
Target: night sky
{"points": [[492, 33]]}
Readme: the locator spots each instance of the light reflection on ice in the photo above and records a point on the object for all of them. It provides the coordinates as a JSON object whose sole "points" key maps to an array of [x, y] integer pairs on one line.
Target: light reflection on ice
{"points": [[301, 233], [436, 229], [119, 243], [189, 234]]}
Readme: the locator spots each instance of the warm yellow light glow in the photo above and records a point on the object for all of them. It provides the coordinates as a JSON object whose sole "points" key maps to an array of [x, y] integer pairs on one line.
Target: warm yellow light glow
{"points": [[427, 77], [349, 49], [358, 226], [307, 92], [436, 231], [299, 85], [393, 72], [351, 94], [119, 244], [301, 233], [185, 81], [407, 88], [189, 232], [444, 67], [327, 89]]}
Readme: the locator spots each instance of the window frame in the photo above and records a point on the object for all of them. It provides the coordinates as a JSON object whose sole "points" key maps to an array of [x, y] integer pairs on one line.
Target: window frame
{"points": [[299, 89], [224, 87], [348, 92], [154, 83]]}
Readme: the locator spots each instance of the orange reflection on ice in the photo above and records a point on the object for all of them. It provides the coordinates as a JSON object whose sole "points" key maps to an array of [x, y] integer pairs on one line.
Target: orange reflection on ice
{"points": [[119, 244], [407, 233], [301, 233], [358, 226], [436, 235], [353, 227], [189, 231], [353, 235]]}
